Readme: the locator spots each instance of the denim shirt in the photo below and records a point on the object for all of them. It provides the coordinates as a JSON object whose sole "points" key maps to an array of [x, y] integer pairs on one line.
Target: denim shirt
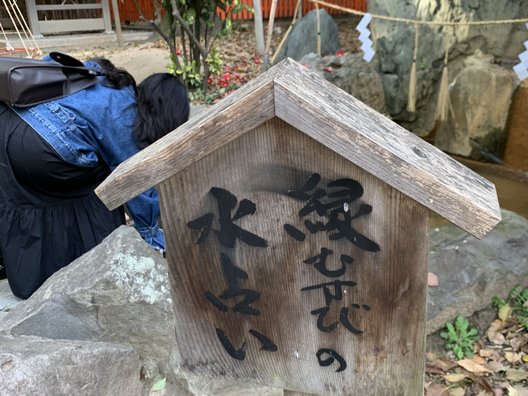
{"points": [[96, 124]]}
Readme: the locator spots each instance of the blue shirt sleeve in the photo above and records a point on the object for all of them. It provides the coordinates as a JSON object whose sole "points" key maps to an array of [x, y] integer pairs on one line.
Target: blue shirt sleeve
{"points": [[145, 212]]}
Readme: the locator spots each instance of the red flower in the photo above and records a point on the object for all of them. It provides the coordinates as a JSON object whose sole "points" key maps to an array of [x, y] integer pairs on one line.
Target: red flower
{"points": [[257, 59], [328, 69], [341, 52]]}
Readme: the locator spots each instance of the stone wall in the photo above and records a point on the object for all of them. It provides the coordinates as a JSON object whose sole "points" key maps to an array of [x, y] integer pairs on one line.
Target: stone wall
{"points": [[394, 44]]}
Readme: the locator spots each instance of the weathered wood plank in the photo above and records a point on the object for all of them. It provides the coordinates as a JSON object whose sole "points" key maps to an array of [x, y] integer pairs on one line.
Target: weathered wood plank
{"points": [[262, 165], [241, 111], [388, 151]]}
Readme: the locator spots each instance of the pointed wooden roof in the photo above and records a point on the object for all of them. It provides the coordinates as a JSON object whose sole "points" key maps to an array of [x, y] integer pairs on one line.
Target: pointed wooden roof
{"points": [[333, 118]]}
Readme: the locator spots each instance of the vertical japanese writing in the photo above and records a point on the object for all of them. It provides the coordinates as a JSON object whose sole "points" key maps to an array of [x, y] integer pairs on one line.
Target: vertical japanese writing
{"points": [[235, 297], [334, 210]]}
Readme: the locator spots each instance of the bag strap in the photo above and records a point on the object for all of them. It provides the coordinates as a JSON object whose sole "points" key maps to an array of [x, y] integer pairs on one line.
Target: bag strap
{"points": [[71, 63]]}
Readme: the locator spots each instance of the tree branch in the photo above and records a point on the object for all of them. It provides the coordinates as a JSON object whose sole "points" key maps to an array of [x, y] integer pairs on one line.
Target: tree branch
{"points": [[192, 37]]}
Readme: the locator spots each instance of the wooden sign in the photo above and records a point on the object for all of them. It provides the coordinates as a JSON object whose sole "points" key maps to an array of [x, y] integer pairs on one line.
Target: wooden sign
{"points": [[294, 268], [296, 221]]}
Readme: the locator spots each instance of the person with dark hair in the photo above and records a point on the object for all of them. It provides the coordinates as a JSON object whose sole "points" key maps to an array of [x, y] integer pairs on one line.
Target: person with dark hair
{"points": [[53, 155]]}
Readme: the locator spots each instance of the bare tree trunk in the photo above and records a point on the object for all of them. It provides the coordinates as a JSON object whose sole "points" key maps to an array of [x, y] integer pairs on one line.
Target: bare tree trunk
{"points": [[265, 64], [259, 28]]}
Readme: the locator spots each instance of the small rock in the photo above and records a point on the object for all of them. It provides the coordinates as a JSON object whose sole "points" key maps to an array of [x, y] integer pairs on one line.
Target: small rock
{"points": [[302, 39]]}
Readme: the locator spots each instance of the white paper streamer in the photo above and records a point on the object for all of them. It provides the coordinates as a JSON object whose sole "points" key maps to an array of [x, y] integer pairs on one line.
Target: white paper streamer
{"points": [[364, 37], [521, 69]]}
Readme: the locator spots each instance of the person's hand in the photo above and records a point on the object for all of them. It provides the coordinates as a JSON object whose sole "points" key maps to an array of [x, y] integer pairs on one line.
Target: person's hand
{"points": [[128, 220]]}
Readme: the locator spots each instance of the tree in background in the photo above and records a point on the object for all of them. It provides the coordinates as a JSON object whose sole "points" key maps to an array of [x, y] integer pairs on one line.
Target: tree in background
{"points": [[190, 29]]}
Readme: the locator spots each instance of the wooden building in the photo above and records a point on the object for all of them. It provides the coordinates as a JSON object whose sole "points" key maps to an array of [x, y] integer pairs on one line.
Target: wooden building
{"points": [[296, 220]]}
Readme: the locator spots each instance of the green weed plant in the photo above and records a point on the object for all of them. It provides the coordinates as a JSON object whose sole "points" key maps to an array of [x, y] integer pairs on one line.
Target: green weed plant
{"points": [[460, 337], [516, 304]]}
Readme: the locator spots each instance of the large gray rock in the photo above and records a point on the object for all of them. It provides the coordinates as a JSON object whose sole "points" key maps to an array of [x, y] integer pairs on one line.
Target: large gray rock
{"points": [[472, 271], [352, 74], [394, 43], [302, 39], [35, 366], [7, 300], [117, 292], [480, 95]]}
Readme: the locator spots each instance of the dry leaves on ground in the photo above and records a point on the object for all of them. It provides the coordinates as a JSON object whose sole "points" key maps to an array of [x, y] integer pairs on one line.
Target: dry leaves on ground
{"points": [[498, 368]]}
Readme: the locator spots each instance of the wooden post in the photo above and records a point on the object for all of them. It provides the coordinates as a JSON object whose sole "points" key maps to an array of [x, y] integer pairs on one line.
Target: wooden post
{"points": [[117, 23], [106, 17], [31, 9], [271, 21]]}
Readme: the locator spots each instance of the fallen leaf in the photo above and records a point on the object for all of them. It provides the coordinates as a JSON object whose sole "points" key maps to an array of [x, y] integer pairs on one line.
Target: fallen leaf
{"points": [[483, 393], [457, 392], [479, 360], [456, 377], [516, 375], [472, 367], [504, 312], [437, 390], [525, 358], [498, 392], [494, 334], [485, 384], [431, 356], [159, 385], [495, 367], [513, 357], [432, 280], [512, 391], [517, 391], [517, 343], [442, 364], [490, 354]]}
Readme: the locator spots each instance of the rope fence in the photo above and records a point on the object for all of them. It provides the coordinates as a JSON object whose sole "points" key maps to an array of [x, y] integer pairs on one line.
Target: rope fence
{"points": [[418, 21], [444, 104]]}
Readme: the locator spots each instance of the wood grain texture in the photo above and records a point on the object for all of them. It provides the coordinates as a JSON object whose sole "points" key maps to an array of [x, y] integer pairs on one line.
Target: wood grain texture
{"points": [[383, 148], [336, 120], [262, 165]]}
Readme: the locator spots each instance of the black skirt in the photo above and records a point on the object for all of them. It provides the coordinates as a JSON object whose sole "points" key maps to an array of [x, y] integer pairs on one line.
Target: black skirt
{"points": [[49, 213]]}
